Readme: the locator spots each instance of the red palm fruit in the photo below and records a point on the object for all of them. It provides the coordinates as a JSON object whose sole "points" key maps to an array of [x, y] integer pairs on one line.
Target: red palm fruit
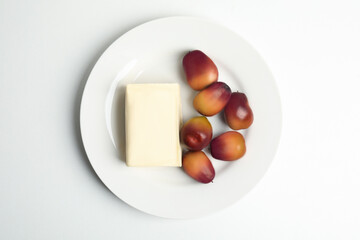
{"points": [[199, 69], [198, 166], [196, 133], [212, 99], [228, 146], [238, 113]]}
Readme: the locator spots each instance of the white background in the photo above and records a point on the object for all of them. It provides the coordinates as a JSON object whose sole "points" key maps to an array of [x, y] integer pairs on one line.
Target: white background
{"points": [[48, 190]]}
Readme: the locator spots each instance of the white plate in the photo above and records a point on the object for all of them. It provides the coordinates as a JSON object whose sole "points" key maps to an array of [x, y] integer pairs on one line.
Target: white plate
{"points": [[152, 52]]}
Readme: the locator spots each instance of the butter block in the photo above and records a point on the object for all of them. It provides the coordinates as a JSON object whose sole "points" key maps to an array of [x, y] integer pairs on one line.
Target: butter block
{"points": [[152, 119]]}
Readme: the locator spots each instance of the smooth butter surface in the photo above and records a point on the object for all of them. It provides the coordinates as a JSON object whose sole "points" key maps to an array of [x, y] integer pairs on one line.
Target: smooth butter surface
{"points": [[153, 116]]}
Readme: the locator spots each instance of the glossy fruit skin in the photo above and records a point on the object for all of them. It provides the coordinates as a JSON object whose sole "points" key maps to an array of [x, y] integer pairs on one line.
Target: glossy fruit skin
{"points": [[228, 146], [199, 69], [212, 99], [196, 133], [198, 166], [238, 113]]}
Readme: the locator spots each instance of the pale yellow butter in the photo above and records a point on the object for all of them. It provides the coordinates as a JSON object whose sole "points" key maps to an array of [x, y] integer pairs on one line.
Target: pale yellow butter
{"points": [[153, 118]]}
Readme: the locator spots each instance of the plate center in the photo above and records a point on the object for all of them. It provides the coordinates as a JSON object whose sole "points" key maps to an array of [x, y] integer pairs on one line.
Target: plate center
{"points": [[165, 68]]}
